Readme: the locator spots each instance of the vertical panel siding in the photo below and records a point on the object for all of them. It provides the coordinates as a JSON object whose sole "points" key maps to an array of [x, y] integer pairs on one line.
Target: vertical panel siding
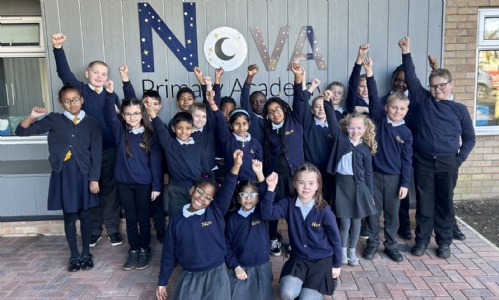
{"points": [[109, 30]]}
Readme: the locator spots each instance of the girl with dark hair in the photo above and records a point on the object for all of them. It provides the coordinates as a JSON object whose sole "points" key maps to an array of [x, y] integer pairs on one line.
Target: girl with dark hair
{"points": [[137, 171]]}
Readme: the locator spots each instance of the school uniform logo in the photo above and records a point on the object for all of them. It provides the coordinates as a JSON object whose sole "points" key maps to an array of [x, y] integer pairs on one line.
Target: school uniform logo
{"points": [[204, 224], [399, 139], [255, 222], [289, 132], [252, 151], [316, 224], [142, 145]]}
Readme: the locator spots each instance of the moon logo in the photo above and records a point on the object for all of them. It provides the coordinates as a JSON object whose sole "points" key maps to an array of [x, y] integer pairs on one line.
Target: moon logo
{"points": [[225, 47], [219, 52]]}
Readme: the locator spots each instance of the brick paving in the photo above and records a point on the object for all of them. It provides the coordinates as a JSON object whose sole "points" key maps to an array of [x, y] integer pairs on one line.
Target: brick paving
{"points": [[35, 268]]}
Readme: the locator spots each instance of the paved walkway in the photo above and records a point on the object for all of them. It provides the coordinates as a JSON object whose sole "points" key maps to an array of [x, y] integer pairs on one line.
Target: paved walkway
{"points": [[35, 268]]}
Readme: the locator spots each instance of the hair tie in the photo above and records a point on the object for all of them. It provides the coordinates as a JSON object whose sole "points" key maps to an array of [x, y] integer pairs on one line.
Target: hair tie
{"points": [[239, 110]]}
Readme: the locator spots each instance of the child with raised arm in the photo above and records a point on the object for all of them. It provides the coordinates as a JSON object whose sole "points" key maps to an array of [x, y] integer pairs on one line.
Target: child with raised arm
{"points": [[109, 209], [184, 156], [283, 148], [317, 141], [75, 148], [239, 138], [391, 164], [253, 104], [443, 140], [337, 94], [351, 163], [247, 235], [315, 261], [137, 171], [358, 94], [195, 238]]}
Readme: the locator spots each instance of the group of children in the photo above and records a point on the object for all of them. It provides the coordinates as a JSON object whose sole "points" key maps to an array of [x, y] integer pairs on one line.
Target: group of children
{"points": [[315, 166]]}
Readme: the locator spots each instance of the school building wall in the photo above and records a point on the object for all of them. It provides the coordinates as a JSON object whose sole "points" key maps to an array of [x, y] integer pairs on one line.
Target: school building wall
{"points": [[478, 175]]}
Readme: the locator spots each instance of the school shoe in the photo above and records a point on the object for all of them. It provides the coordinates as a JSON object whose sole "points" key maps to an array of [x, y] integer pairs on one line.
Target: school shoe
{"points": [[115, 239], [344, 256], [418, 249], [370, 253], [457, 233], [443, 251], [394, 254], [131, 262], [144, 259], [353, 260], [86, 263], [160, 234], [73, 264], [363, 232], [94, 239], [275, 248]]}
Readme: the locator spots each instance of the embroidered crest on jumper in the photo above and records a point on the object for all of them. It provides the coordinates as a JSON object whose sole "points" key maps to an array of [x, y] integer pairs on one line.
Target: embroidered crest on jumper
{"points": [[289, 132], [400, 139], [142, 145], [204, 224], [255, 222], [316, 224]]}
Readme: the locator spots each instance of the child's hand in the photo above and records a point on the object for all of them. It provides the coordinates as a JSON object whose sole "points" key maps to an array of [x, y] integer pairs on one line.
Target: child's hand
{"points": [[433, 61], [123, 70], [252, 70], [219, 72], [154, 195], [272, 181], [403, 192], [149, 107], [257, 166], [303, 77], [109, 86], [336, 272], [238, 158], [240, 273], [368, 66], [161, 293], [297, 69], [327, 95], [207, 81], [363, 49], [210, 98], [37, 112], [94, 187], [405, 45], [58, 39]]}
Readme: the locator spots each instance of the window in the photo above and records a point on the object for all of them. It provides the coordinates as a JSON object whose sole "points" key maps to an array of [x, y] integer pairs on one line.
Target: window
{"points": [[21, 37], [487, 76]]}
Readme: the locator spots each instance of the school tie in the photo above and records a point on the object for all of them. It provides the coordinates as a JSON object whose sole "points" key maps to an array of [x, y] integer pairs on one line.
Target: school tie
{"points": [[96, 90], [68, 154]]}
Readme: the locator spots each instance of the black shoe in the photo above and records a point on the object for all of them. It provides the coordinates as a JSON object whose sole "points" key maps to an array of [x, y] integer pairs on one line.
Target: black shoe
{"points": [[160, 234], [394, 254], [405, 234], [288, 253], [86, 263], [370, 253], [275, 248], [443, 251], [74, 265], [94, 239], [457, 234], [144, 259], [418, 249], [363, 233], [115, 239], [131, 261]]}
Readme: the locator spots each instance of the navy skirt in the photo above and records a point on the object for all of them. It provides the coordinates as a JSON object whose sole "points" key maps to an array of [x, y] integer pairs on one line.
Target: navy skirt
{"points": [[69, 190], [315, 274], [257, 286], [352, 201]]}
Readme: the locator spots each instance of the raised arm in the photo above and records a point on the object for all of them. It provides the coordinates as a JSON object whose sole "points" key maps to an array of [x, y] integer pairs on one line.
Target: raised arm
{"points": [[160, 131], [334, 127], [30, 125], [353, 81], [110, 115], [128, 89], [61, 62], [298, 101], [245, 93], [225, 193], [416, 89], [375, 106]]}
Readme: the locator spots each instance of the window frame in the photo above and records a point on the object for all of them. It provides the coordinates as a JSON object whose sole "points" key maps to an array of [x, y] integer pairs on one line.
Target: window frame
{"points": [[483, 45], [24, 51]]}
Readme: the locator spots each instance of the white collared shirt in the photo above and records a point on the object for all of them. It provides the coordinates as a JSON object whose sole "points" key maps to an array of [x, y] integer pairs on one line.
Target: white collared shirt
{"points": [[197, 129], [277, 126], [99, 89], [305, 208], [187, 213], [71, 117], [190, 142], [244, 213], [138, 130], [395, 124], [244, 140], [319, 123]]}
